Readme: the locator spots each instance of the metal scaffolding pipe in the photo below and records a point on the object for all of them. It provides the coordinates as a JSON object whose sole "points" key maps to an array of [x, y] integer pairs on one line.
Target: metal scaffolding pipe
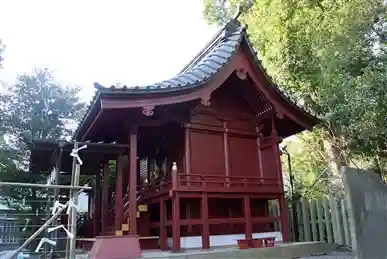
{"points": [[51, 186], [12, 254]]}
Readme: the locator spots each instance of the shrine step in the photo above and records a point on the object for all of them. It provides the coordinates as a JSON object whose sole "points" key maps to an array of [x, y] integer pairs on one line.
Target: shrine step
{"points": [[115, 247], [146, 243], [111, 232]]}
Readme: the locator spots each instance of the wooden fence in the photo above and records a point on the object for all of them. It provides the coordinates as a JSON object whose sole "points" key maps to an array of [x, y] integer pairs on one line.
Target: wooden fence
{"points": [[318, 220]]}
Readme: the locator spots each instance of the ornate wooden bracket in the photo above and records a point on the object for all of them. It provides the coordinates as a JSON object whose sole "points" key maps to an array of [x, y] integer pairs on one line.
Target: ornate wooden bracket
{"points": [[241, 74], [206, 100], [280, 115], [259, 129], [148, 110]]}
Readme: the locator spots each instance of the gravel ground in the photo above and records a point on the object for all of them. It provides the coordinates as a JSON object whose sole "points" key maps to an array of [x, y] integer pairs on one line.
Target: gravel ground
{"points": [[341, 253]]}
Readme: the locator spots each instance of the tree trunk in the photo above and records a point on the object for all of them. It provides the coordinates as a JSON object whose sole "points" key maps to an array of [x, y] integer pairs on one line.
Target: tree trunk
{"points": [[337, 159], [336, 155]]}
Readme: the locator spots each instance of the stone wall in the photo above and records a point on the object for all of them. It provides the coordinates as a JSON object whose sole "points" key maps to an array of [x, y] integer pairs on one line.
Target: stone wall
{"points": [[366, 195]]}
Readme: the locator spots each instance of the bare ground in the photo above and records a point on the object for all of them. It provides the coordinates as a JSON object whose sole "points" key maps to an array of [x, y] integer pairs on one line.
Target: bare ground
{"points": [[340, 253]]}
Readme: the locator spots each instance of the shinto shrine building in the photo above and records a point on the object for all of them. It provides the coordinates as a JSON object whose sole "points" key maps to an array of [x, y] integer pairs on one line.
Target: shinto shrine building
{"points": [[196, 156]]}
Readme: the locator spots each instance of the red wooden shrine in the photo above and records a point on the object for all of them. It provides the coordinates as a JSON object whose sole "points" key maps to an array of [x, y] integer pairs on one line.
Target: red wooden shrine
{"points": [[203, 149]]}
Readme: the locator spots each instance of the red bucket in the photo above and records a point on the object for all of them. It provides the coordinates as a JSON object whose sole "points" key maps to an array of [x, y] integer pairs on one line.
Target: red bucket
{"points": [[243, 244], [256, 243], [269, 242]]}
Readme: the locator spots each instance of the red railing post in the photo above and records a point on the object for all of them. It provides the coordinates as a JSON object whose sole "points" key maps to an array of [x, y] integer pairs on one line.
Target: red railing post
{"points": [[175, 177], [245, 182]]}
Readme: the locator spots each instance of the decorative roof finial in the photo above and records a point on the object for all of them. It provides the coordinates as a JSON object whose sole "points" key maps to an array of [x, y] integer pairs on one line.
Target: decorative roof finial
{"points": [[242, 8]]}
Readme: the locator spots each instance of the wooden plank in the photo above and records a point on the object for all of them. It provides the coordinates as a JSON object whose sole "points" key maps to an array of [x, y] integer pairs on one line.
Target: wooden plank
{"points": [[149, 237], [273, 213], [328, 222], [320, 220], [143, 208], [277, 213], [313, 220], [333, 209], [344, 214], [305, 219], [125, 227], [340, 228], [86, 239], [300, 224], [291, 222], [337, 234]]}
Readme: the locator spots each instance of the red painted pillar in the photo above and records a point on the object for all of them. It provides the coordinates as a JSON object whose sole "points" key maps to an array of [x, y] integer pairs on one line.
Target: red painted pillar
{"points": [[226, 154], [188, 216], [205, 224], [119, 206], [249, 226], [90, 207], [133, 183], [284, 220], [163, 231], [176, 222], [259, 153], [187, 147], [187, 155], [105, 198], [276, 153], [97, 203], [284, 216]]}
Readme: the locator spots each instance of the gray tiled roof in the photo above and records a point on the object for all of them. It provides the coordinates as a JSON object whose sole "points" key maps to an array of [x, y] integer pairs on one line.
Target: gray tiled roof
{"points": [[217, 53], [207, 63]]}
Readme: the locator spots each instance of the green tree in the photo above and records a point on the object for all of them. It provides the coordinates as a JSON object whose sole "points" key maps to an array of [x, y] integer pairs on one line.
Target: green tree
{"points": [[313, 176], [36, 107], [331, 57]]}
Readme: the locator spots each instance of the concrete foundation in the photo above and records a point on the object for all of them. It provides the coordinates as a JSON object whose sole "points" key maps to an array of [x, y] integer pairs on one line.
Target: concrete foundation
{"points": [[280, 251]]}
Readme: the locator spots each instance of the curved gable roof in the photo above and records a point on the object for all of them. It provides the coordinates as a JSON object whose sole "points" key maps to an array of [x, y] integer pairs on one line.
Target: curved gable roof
{"points": [[205, 65]]}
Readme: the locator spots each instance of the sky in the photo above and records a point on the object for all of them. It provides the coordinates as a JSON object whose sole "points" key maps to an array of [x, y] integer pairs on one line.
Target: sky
{"points": [[129, 42], [116, 41]]}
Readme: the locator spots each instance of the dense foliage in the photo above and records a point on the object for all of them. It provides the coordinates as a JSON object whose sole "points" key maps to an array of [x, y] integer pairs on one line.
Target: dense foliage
{"points": [[35, 107], [330, 55]]}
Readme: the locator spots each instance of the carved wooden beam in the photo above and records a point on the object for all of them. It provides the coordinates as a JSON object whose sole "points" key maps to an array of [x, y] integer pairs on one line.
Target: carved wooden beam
{"points": [[148, 110], [205, 100], [241, 74], [280, 115]]}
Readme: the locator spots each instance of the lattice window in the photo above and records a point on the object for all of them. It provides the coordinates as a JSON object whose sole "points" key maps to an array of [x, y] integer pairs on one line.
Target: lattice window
{"points": [[143, 170]]}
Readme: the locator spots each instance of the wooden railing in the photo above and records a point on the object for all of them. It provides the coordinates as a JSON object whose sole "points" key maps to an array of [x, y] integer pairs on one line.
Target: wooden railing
{"points": [[205, 180], [222, 183], [159, 185], [225, 182], [199, 182], [145, 191]]}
